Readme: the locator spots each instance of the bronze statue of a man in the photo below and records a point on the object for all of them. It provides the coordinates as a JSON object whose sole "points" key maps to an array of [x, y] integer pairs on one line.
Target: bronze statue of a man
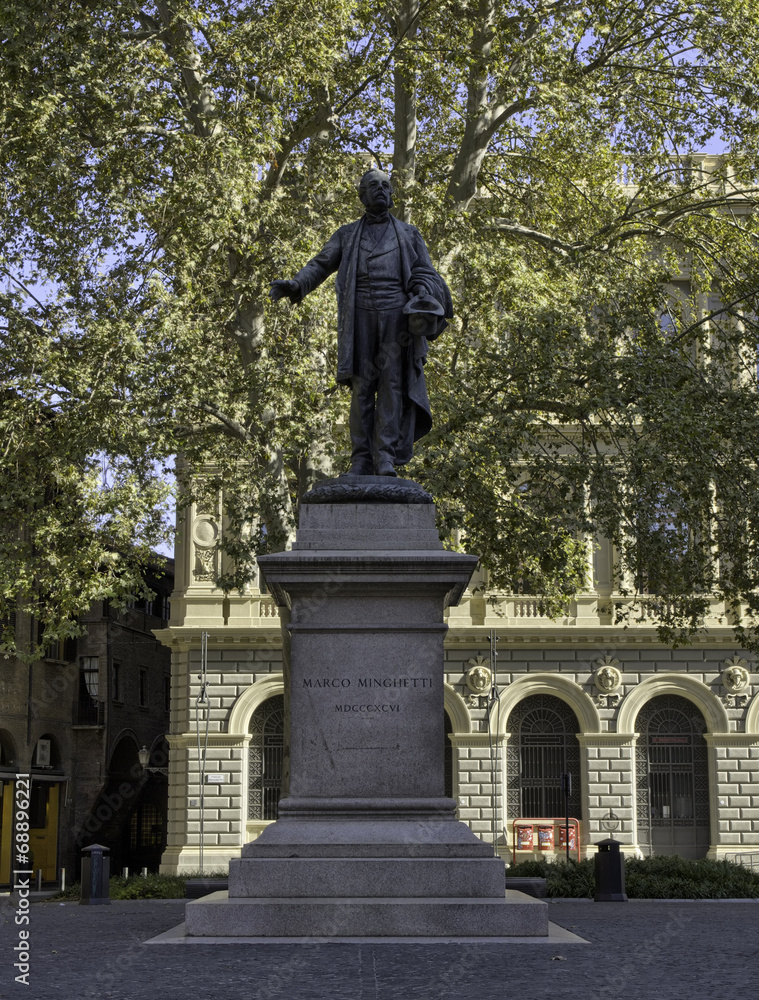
{"points": [[391, 302]]}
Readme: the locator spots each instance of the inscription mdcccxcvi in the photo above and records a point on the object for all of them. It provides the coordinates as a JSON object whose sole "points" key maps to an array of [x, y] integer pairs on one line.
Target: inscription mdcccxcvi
{"points": [[367, 709]]}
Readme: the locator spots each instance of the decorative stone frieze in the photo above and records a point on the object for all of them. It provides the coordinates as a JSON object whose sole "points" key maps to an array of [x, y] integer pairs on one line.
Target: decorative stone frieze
{"points": [[607, 680], [205, 536], [479, 678], [608, 677], [736, 679]]}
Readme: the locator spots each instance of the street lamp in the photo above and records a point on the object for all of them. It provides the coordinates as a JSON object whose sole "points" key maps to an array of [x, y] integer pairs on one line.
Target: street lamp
{"points": [[144, 756]]}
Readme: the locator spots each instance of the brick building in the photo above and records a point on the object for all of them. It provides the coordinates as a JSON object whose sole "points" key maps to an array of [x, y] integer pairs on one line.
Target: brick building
{"points": [[75, 720]]}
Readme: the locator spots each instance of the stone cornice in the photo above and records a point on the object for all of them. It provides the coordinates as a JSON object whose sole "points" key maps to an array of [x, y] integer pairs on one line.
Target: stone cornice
{"points": [[732, 739], [551, 634], [607, 739], [184, 637], [190, 740], [478, 739]]}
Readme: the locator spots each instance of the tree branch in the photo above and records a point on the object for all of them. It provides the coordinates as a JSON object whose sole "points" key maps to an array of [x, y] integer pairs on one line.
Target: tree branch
{"points": [[183, 50], [234, 427]]}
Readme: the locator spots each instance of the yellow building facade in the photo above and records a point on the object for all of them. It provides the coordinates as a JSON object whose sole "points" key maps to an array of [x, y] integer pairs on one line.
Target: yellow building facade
{"points": [[662, 744]]}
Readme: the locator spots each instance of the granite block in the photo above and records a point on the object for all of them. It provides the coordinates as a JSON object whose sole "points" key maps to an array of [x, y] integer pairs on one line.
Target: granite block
{"points": [[366, 877], [516, 914]]}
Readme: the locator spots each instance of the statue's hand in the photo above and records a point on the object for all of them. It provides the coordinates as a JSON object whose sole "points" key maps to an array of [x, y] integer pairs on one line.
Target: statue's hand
{"points": [[417, 324], [282, 287]]}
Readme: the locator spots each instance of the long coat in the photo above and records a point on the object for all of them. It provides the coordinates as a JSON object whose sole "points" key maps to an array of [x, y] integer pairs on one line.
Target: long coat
{"points": [[341, 254]]}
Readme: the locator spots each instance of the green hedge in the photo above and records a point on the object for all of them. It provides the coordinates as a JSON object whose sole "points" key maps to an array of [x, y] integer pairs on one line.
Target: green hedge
{"points": [[150, 886], [647, 878]]}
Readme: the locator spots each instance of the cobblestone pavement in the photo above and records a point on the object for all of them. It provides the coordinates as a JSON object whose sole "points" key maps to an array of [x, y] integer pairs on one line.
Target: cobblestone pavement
{"points": [[638, 951]]}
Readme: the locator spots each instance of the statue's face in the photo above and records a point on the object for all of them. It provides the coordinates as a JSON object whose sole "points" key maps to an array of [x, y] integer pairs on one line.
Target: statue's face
{"points": [[376, 191]]}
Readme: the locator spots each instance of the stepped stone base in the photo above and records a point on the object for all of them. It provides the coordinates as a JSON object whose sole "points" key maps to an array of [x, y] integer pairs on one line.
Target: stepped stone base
{"points": [[365, 877], [514, 915], [367, 844]]}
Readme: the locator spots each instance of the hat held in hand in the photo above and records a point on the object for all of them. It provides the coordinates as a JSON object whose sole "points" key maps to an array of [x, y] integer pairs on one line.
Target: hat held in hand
{"points": [[424, 304]]}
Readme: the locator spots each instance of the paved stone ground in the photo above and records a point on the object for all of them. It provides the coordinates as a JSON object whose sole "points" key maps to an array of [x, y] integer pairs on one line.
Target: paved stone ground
{"points": [[638, 951]]}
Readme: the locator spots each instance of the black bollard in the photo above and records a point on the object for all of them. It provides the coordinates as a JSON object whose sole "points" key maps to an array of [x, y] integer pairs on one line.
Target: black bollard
{"points": [[610, 873], [96, 873]]}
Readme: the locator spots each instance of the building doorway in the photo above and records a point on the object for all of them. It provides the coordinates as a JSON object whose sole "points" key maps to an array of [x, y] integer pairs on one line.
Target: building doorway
{"points": [[265, 759], [672, 778], [543, 745], [145, 837], [44, 803], [7, 791], [7, 807], [43, 828]]}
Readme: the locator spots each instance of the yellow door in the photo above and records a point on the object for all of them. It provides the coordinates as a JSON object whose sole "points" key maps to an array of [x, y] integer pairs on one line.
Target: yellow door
{"points": [[43, 835], [7, 789]]}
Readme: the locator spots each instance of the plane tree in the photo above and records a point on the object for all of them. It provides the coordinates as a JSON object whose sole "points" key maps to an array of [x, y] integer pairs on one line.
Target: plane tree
{"points": [[164, 161]]}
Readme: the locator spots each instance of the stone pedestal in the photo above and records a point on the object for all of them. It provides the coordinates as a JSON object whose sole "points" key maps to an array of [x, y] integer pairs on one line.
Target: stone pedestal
{"points": [[366, 843]]}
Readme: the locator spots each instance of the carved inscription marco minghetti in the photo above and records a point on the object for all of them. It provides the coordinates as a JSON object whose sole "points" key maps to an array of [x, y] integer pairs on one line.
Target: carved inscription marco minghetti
{"points": [[365, 684]]}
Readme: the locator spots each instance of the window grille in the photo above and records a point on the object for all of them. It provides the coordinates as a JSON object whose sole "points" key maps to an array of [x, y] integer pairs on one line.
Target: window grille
{"points": [[542, 746], [672, 778], [265, 757], [146, 827]]}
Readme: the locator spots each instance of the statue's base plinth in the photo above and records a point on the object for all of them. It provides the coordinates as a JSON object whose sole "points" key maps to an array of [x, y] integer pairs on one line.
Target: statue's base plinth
{"points": [[366, 843], [367, 490], [512, 915]]}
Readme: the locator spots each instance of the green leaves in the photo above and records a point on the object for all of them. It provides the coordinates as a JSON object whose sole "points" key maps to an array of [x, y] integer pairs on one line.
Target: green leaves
{"points": [[164, 162]]}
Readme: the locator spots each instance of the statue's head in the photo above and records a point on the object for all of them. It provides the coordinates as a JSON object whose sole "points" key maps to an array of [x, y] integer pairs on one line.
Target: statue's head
{"points": [[375, 190]]}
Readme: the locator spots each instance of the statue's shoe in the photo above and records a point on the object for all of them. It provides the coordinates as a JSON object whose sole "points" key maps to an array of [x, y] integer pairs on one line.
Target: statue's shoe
{"points": [[386, 470]]}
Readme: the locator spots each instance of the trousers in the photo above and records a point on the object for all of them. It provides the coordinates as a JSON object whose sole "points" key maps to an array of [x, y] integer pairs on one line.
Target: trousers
{"points": [[377, 386]]}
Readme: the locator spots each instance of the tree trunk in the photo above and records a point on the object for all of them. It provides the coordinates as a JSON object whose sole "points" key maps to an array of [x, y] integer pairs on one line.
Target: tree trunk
{"points": [[405, 30]]}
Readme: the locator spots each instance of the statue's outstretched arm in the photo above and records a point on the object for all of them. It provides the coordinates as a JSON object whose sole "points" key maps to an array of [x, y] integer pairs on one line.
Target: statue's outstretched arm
{"points": [[319, 268], [281, 287]]}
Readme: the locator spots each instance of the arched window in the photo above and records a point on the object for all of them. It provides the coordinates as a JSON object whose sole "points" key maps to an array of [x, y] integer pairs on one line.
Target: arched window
{"points": [[146, 827], [543, 745], [672, 778], [265, 755]]}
